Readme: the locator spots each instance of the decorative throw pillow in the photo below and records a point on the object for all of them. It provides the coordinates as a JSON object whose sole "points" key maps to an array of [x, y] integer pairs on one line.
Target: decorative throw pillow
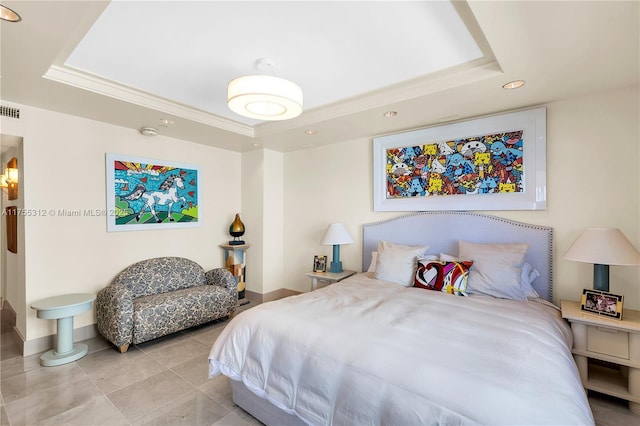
{"points": [[397, 262], [497, 268], [440, 275]]}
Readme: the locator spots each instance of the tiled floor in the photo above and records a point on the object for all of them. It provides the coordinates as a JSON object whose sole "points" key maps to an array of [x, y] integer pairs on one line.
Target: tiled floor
{"points": [[163, 382]]}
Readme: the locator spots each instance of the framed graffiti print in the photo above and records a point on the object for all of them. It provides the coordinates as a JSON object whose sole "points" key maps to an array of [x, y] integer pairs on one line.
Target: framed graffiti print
{"points": [[151, 194], [491, 163]]}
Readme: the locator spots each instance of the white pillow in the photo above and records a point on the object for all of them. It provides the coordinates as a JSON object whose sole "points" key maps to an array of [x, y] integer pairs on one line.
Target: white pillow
{"points": [[497, 268], [374, 259], [529, 273], [397, 263]]}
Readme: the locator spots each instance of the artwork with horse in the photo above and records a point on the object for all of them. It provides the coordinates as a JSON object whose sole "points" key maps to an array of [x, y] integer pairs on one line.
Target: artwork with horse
{"points": [[165, 195]]}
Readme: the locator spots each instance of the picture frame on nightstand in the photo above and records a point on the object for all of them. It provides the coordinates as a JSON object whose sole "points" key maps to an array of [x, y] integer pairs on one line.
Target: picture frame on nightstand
{"points": [[319, 263], [602, 303]]}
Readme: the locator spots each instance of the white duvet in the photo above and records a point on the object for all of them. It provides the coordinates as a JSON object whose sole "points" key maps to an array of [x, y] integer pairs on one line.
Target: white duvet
{"points": [[365, 352]]}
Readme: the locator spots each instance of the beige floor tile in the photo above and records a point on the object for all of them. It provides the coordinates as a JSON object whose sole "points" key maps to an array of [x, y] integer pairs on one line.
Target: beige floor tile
{"points": [[108, 358], [4, 420], [98, 343], [18, 365], [119, 375], [233, 419], [194, 408], [180, 352], [36, 380], [97, 412], [208, 337], [248, 418], [194, 371], [42, 405], [149, 394], [609, 411], [219, 389]]}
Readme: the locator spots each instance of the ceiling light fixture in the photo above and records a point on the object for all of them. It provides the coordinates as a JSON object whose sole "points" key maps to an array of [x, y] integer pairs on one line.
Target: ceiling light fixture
{"points": [[9, 15], [390, 114], [264, 97], [311, 132], [515, 84]]}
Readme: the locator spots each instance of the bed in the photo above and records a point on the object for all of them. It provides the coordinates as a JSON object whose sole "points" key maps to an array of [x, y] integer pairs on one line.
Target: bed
{"points": [[375, 349]]}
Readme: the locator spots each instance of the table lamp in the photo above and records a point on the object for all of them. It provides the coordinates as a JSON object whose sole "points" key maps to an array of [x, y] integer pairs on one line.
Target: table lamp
{"points": [[335, 235], [603, 247]]}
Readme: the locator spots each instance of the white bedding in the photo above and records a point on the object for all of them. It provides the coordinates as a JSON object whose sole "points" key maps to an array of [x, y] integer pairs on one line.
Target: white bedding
{"points": [[364, 351]]}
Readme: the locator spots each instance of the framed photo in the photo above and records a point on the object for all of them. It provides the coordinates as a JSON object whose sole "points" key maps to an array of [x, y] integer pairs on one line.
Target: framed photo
{"points": [[319, 263], [492, 163], [601, 303], [151, 194]]}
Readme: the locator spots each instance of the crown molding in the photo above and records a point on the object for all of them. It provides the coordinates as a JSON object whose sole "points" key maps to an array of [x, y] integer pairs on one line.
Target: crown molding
{"points": [[85, 81]]}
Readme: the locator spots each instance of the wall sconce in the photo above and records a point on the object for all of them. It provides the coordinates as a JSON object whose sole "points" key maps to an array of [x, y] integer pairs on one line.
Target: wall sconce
{"points": [[9, 179]]}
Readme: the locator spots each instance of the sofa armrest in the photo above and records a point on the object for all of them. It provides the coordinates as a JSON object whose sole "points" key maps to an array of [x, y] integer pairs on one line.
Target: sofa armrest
{"points": [[221, 277], [114, 311]]}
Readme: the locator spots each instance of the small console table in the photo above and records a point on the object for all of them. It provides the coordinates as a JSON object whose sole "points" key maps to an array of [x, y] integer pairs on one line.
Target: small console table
{"points": [[616, 342], [63, 308], [327, 277]]}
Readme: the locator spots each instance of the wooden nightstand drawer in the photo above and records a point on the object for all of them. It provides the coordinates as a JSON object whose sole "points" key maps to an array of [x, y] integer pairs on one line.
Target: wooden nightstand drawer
{"points": [[608, 341]]}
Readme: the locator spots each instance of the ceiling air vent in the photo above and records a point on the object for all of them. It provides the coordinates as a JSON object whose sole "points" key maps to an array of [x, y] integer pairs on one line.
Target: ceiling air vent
{"points": [[11, 112]]}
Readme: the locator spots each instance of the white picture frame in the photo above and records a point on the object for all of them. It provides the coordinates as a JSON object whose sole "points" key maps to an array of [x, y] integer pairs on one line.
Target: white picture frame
{"points": [[532, 187]]}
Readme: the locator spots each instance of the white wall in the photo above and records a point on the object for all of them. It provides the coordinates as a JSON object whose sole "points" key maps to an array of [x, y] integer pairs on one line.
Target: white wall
{"points": [[592, 180], [262, 210], [64, 168]]}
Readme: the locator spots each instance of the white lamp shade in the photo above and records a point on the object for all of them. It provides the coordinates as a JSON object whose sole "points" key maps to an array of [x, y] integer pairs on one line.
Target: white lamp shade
{"points": [[336, 234], [604, 246], [264, 97]]}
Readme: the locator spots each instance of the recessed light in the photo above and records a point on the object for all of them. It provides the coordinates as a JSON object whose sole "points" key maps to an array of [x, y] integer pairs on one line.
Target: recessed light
{"points": [[165, 122], [311, 132], [513, 84], [390, 114], [9, 15], [256, 145]]}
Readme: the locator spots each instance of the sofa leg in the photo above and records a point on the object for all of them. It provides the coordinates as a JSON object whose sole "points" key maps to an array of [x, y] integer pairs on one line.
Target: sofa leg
{"points": [[124, 348]]}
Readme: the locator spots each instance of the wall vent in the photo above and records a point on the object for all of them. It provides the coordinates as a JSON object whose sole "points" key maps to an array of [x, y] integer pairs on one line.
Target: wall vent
{"points": [[11, 112]]}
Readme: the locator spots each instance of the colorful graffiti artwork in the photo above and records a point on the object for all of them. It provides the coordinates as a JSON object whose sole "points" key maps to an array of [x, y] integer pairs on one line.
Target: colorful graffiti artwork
{"points": [[486, 164], [151, 194]]}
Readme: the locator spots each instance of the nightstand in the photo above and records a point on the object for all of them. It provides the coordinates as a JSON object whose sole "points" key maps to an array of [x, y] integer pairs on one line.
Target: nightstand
{"points": [[615, 342], [327, 277]]}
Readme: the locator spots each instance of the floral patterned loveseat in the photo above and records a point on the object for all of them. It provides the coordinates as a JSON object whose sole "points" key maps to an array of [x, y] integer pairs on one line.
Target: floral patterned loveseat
{"points": [[160, 296]]}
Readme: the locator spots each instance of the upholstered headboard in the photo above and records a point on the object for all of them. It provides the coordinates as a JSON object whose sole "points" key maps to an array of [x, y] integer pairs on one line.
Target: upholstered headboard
{"points": [[442, 231]]}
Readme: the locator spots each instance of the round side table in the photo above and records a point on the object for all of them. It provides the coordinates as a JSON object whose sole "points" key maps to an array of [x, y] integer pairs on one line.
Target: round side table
{"points": [[63, 308]]}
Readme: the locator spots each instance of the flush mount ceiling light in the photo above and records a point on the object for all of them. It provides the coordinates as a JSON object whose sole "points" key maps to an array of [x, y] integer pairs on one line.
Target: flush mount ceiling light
{"points": [[264, 97], [513, 84], [389, 114], [9, 15]]}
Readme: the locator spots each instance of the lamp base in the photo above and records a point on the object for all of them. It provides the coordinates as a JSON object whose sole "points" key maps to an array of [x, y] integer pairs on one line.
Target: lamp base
{"points": [[236, 242], [600, 277], [335, 267]]}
